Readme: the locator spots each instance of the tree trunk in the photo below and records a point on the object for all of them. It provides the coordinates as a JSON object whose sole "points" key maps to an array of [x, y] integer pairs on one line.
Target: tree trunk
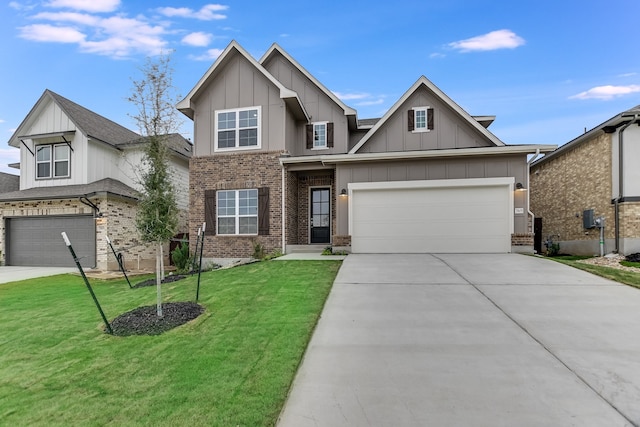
{"points": [[162, 262], [158, 280]]}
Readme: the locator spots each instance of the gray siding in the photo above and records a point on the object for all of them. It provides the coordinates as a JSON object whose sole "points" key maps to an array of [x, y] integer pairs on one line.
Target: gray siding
{"points": [[457, 168], [317, 104], [239, 85], [450, 130]]}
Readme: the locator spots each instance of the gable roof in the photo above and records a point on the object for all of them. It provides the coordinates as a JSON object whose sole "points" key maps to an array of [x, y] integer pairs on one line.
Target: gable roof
{"points": [[103, 186], [609, 126], [289, 96], [9, 182], [275, 48], [423, 81], [91, 124]]}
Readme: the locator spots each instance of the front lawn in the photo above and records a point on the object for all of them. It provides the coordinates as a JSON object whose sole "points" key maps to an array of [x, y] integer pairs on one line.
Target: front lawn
{"points": [[232, 366], [630, 278]]}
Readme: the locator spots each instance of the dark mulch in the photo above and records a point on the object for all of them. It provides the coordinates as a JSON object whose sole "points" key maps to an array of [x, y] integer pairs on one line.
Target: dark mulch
{"points": [[633, 257], [145, 320], [152, 282]]}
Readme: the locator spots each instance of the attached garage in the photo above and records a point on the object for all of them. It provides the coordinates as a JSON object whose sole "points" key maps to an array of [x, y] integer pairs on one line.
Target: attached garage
{"points": [[434, 216], [36, 241]]}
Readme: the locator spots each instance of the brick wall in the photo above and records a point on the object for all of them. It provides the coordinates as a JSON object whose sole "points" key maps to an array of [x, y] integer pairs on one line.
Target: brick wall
{"points": [[306, 181], [566, 185], [629, 220], [291, 204], [229, 171]]}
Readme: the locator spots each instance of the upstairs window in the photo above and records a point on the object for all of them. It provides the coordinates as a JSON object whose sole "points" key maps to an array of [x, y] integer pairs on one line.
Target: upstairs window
{"points": [[52, 161], [319, 135], [420, 119], [238, 129]]}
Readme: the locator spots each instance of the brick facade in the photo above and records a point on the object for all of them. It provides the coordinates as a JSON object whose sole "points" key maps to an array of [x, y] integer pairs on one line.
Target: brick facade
{"points": [[305, 182], [117, 222], [233, 171], [563, 187]]}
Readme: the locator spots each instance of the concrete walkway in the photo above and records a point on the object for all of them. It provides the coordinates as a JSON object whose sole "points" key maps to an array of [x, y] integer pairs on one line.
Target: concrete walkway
{"points": [[474, 340], [14, 274]]}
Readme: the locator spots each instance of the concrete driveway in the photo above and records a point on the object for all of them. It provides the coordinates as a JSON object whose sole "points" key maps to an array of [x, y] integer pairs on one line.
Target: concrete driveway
{"points": [[13, 274], [474, 340]]}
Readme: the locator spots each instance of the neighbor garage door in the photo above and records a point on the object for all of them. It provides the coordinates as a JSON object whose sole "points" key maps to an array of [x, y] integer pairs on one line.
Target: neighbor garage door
{"points": [[443, 216], [36, 241]]}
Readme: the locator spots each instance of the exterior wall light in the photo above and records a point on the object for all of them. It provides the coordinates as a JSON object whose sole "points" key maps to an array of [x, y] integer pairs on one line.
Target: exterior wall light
{"points": [[519, 186], [343, 192]]}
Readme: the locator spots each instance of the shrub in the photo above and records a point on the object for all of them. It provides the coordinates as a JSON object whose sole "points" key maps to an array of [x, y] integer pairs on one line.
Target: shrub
{"points": [[258, 250], [181, 257]]}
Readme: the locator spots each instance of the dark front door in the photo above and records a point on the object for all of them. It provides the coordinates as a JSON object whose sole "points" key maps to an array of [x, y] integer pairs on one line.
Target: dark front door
{"points": [[537, 235], [320, 211]]}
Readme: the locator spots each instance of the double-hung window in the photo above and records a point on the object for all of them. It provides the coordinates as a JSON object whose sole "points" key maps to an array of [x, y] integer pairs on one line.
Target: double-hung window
{"points": [[238, 129], [319, 135], [52, 161], [421, 119], [237, 211]]}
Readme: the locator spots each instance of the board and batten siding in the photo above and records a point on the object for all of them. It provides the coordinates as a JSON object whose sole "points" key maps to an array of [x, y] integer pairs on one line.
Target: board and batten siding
{"points": [[51, 120], [450, 130], [454, 168], [317, 104], [239, 85], [630, 169]]}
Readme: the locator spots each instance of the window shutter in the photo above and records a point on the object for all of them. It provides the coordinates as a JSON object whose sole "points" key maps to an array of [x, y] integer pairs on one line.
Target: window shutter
{"points": [[309, 137], [430, 118], [210, 211], [329, 134], [263, 211], [411, 119]]}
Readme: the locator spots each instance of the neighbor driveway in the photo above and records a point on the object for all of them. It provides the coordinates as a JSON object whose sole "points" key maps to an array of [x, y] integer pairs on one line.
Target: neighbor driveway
{"points": [[476, 340], [14, 274]]}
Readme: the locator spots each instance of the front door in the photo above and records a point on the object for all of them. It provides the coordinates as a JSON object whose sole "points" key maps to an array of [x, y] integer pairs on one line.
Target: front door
{"points": [[320, 212]]}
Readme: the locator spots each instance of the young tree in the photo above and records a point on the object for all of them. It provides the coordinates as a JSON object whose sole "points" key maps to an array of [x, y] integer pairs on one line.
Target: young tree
{"points": [[157, 218]]}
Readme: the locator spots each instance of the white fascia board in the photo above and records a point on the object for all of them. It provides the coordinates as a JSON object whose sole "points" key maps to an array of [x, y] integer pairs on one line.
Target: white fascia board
{"points": [[348, 111], [426, 82], [433, 183]]}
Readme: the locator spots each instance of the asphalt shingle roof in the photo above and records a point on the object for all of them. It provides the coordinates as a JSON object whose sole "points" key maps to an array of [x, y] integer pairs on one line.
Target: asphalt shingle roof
{"points": [[9, 182], [107, 185]]}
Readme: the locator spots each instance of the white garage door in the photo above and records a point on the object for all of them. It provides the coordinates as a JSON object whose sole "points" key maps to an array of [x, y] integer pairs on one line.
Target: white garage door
{"points": [[443, 216]]}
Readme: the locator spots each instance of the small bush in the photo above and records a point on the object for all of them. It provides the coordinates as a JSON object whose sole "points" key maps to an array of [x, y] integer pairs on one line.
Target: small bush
{"points": [[258, 250], [275, 254], [553, 249], [181, 257], [327, 251]]}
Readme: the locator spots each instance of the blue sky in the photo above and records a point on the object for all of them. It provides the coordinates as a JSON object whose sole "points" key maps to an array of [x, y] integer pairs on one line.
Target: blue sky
{"points": [[546, 69]]}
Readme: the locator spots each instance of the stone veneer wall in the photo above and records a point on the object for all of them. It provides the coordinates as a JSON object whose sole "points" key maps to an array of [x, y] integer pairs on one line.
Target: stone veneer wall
{"points": [[231, 171], [568, 184], [117, 222]]}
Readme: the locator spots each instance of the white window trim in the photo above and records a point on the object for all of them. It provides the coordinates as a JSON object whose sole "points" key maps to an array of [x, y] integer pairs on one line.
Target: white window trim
{"points": [[237, 215], [313, 133], [416, 129], [52, 162], [237, 148]]}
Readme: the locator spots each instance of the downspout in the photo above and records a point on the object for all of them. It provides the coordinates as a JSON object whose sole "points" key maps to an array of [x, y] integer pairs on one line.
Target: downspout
{"points": [[531, 214], [620, 181]]}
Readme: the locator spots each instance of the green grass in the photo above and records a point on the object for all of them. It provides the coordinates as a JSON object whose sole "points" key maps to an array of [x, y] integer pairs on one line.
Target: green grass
{"points": [[232, 366], [617, 275]]}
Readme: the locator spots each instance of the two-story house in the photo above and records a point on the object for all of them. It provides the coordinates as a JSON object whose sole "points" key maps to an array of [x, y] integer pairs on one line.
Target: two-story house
{"points": [[281, 161], [80, 173]]}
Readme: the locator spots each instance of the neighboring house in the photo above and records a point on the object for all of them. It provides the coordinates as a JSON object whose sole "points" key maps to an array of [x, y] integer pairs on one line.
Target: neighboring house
{"points": [[281, 161], [9, 182], [79, 173], [595, 175]]}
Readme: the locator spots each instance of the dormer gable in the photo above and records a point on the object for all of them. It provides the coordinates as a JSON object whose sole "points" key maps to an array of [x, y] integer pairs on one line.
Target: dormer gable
{"points": [[425, 118]]}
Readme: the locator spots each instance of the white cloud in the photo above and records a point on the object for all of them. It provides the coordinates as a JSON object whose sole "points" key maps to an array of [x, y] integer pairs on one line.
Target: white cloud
{"points": [[2, 120], [77, 18], [628, 75], [18, 6], [209, 55], [368, 103], [437, 55], [50, 33], [86, 5], [501, 39], [606, 92], [351, 96], [206, 13], [197, 39]]}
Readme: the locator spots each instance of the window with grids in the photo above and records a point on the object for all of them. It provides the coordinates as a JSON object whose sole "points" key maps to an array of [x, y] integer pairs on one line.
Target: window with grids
{"points": [[319, 135], [52, 161], [237, 211], [421, 119], [238, 129]]}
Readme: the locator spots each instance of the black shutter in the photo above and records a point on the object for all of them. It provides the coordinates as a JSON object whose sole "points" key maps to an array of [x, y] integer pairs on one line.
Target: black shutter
{"points": [[210, 211], [430, 118], [329, 134], [410, 120], [263, 211], [309, 136]]}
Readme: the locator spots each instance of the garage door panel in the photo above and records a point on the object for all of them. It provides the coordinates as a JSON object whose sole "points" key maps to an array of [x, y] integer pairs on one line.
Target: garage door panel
{"points": [[36, 241], [416, 220]]}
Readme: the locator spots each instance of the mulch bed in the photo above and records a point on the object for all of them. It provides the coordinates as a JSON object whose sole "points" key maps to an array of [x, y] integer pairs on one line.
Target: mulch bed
{"points": [[152, 282], [145, 321]]}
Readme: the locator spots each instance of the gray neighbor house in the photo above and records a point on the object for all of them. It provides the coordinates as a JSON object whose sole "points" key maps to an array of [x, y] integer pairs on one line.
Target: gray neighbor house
{"points": [[280, 161]]}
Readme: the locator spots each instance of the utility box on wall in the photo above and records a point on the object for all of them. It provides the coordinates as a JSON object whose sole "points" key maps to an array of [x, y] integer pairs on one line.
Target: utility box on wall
{"points": [[588, 220]]}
